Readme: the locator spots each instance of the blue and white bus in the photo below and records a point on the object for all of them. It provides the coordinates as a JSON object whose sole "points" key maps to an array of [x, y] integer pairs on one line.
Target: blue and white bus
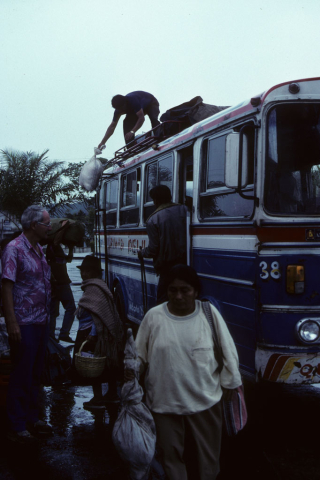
{"points": [[251, 177]]}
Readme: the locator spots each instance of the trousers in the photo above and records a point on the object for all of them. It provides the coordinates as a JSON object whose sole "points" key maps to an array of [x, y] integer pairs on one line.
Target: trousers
{"points": [[190, 444], [152, 111], [63, 294], [24, 382]]}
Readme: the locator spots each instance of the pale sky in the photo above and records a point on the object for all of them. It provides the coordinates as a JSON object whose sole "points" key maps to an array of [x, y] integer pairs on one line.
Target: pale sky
{"points": [[63, 60]]}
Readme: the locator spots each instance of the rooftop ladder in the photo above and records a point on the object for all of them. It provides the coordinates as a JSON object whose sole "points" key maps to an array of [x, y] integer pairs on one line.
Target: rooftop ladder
{"points": [[146, 140]]}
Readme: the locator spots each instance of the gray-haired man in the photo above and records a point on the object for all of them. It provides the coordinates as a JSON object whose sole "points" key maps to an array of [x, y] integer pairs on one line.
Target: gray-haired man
{"points": [[26, 296]]}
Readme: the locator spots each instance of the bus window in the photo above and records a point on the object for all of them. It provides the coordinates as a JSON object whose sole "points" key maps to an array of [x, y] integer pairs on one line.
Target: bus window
{"points": [[293, 160], [157, 173], [102, 196], [165, 172], [186, 176], [216, 200], [152, 179], [111, 202], [215, 162], [129, 189], [129, 209]]}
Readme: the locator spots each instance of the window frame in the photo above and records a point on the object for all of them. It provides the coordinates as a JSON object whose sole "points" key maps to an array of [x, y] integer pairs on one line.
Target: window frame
{"points": [[145, 202], [137, 204], [220, 190], [111, 211]]}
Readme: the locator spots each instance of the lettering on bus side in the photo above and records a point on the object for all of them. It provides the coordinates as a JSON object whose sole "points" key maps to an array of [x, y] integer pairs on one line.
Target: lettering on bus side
{"points": [[134, 244], [116, 242], [273, 271]]}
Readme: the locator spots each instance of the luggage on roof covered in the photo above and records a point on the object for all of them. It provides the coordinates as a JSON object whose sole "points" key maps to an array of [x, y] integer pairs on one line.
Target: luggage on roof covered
{"points": [[189, 112]]}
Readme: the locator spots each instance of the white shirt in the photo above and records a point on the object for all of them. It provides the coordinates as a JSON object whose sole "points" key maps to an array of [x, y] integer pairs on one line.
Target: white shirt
{"points": [[182, 376]]}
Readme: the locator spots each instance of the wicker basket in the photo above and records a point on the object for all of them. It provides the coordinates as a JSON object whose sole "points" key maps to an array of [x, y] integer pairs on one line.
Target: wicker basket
{"points": [[90, 367]]}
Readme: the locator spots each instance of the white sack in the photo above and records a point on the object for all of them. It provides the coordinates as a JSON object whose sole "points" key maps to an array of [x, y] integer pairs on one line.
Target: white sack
{"points": [[91, 172], [134, 432]]}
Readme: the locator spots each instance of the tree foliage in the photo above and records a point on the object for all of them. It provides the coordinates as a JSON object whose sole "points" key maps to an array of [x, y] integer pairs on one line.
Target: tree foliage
{"points": [[28, 178]]}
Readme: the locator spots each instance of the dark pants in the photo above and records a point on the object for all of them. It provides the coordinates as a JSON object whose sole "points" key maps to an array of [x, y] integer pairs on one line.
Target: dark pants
{"points": [[190, 444], [24, 382], [131, 119], [63, 294]]}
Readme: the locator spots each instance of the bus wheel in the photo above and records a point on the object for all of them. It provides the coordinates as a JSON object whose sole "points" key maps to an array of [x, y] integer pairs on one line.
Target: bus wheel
{"points": [[119, 302]]}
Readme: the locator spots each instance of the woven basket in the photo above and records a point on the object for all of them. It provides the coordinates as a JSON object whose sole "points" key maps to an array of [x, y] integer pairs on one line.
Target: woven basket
{"points": [[90, 367]]}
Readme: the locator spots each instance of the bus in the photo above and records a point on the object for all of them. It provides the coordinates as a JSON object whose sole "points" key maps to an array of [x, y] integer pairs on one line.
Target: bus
{"points": [[250, 176]]}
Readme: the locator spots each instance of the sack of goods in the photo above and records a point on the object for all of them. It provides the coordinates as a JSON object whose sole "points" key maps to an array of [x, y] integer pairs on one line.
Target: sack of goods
{"points": [[134, 432], [92, 170], [68, 232]]}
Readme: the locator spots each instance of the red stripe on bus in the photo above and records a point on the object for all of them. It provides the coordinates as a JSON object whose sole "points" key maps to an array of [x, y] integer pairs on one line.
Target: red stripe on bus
{"points": [[274, 366], [264, 234]]}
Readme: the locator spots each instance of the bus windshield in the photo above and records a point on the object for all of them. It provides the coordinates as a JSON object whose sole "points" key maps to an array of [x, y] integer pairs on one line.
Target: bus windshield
{"points": [[293, 160]]}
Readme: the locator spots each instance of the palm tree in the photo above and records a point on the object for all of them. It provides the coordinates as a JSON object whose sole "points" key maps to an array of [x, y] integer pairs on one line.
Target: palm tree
{"points": [[28, 178]]}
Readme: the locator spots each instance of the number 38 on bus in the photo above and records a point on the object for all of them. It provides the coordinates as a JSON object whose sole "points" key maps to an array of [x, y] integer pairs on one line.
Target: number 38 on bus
{"points": [[250, 176]]}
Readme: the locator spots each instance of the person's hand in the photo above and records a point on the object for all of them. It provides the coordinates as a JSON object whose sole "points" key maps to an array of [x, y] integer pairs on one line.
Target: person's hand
{"points": [[129, 374], [101, 145], [14, 332], [129, 136], [140, 256]]}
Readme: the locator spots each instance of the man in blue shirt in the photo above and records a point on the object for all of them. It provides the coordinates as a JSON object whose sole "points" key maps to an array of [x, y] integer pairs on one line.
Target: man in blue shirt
{"points": [[135, 106]]}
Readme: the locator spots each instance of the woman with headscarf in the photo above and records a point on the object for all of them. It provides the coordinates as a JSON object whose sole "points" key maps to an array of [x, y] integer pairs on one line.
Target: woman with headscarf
{"points": [[99, 322]]}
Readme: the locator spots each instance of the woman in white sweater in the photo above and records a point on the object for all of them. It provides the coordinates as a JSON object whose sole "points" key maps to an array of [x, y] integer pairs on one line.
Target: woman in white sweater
{"points": [[182, 382]]}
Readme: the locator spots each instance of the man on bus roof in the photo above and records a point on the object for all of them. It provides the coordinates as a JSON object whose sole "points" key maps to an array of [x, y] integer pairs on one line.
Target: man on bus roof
{"points": [[167, 234], [134, 106]]}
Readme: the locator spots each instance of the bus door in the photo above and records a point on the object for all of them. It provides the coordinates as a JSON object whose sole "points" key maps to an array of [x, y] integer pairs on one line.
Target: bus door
{"points": [[185, 188]]}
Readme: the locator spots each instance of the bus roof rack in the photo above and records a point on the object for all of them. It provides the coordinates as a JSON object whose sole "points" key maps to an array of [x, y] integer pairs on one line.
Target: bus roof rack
{"points": [[142, 142]]}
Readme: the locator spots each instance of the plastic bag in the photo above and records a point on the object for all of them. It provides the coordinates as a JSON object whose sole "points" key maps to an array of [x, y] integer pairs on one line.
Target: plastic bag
{"points": [[91, 172], [134, 432]]}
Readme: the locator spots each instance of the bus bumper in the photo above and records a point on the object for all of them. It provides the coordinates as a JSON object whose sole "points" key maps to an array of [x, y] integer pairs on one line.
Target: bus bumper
{"points": [[285, 366]]}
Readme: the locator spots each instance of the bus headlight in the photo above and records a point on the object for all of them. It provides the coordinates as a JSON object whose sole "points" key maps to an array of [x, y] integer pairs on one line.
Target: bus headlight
{"points": [[308, 330]]}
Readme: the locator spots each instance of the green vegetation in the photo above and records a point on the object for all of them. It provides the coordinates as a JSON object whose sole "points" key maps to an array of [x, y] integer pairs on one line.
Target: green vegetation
{"points": [[28, 178]]}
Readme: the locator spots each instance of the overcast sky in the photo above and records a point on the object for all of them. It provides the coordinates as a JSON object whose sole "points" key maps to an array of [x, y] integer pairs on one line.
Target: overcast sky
{"points": [[63, 60]]}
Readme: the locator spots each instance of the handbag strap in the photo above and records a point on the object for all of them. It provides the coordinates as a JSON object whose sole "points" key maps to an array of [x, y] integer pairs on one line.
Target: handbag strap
{"points": [[206, 307]]}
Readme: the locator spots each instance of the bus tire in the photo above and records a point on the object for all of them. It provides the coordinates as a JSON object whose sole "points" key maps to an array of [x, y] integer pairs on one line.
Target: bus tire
{"points": [[119, 302]]}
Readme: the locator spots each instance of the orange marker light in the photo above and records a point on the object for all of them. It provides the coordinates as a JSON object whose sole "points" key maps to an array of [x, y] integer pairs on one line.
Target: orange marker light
{"points": [[295, 279]]}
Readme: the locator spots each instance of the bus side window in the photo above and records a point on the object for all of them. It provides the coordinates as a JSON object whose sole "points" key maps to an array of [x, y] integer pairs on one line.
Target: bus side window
{"points": [[157, 173], [101, 203], [129, 208], [216, 200], [111, 197]]}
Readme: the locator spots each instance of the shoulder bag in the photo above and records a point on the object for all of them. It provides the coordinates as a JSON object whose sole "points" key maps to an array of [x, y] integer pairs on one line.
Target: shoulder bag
{"points": [[234, 406]]}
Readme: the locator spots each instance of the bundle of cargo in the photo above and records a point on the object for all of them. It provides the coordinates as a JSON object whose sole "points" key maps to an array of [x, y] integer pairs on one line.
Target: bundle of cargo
{"points": [[187, 113], [66, 231]]}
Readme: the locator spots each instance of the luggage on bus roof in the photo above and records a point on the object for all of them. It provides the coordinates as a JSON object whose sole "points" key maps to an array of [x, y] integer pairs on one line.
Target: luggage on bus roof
{"points": [[191, 112]]}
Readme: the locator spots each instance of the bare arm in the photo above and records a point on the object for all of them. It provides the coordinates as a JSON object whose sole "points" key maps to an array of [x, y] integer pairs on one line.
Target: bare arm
{"points": [[138, 125], [7, 301], [108, 133]]}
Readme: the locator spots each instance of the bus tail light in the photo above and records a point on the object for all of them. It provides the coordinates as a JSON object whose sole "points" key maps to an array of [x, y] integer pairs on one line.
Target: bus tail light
{"points": [[295, 279]]}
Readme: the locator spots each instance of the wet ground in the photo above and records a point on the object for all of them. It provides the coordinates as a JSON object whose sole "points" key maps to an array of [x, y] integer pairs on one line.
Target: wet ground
{"points": [[280, 441]]}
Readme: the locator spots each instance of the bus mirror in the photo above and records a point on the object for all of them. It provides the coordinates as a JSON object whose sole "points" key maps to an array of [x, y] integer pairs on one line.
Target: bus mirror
{"points": [[233, 159]]}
